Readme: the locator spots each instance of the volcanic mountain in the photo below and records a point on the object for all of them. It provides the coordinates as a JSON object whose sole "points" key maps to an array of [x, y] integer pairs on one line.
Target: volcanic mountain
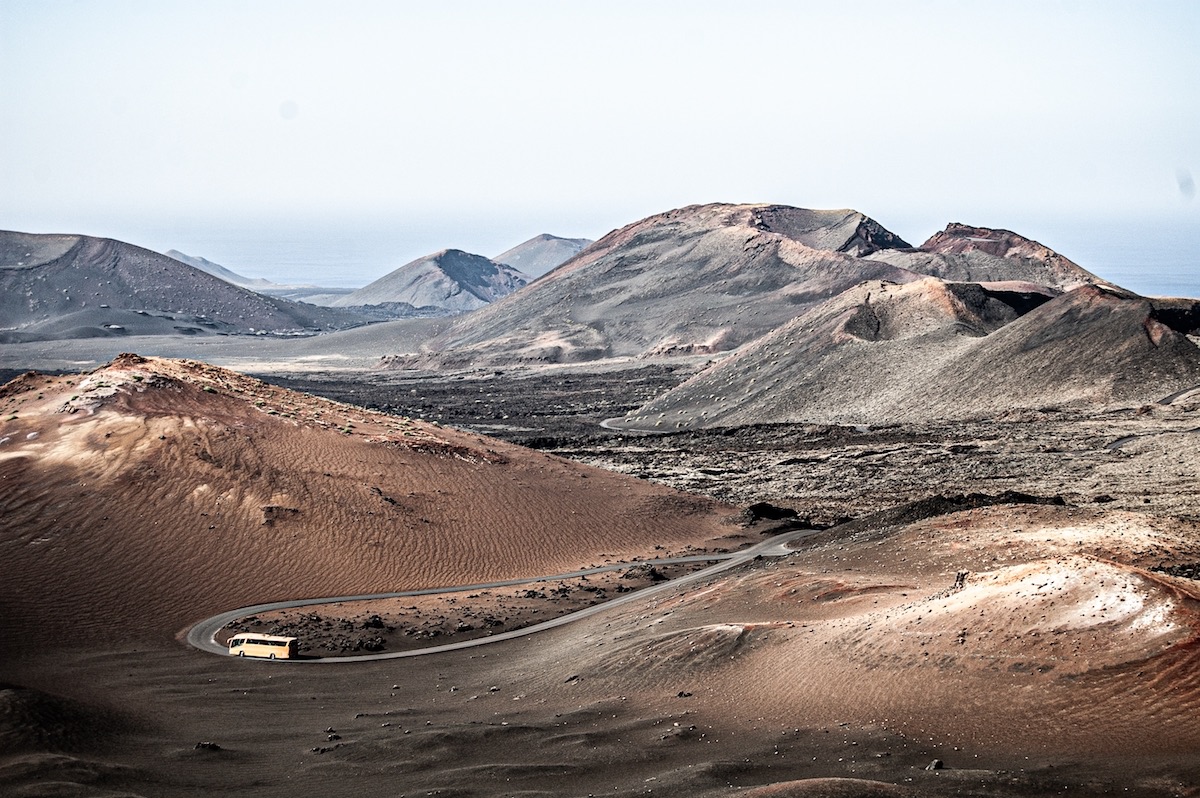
{"points": [[542, 253], [884, 352], [451, 280], [701, 279], [72, 286], [980, 254]]}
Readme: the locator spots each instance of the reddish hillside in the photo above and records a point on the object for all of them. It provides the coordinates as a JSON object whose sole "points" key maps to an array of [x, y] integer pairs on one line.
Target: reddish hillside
{"points": [[701, 279], [981, 255], [151, 493]]}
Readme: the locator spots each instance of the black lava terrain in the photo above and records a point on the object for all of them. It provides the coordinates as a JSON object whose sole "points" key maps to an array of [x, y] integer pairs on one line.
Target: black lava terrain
{"points": [[826, 473]]}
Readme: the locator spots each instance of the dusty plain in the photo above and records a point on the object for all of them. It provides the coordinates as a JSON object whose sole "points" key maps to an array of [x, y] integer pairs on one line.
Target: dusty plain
{"points": [[1010, 597]]}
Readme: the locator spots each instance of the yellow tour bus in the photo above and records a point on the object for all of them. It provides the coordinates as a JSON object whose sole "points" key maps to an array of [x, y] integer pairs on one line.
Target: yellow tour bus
{"points": [[249, 644]]}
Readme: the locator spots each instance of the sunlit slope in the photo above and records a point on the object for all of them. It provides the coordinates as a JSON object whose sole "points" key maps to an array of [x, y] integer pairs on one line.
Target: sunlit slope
{"points": [[700, 279], [153, 493], [1036, 630], [929, 349]]}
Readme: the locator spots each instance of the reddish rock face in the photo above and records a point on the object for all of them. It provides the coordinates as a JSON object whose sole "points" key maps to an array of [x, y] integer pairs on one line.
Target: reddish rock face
{"points": [[959, 238]]}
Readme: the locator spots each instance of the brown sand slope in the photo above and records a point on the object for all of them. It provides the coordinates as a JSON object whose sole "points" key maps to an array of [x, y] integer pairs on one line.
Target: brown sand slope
{"points": [[97, 281], [452, 280], [699, 279], [1014, 629], [150, 494], [883, 353]]}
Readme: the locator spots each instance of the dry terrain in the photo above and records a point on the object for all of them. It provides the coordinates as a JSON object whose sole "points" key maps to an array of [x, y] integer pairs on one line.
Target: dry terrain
{"points": [[64, 287], [1035, 642], [984, 459]]}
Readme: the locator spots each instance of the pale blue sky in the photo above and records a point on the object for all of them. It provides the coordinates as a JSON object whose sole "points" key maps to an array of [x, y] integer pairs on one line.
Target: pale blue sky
{"points": [[479, 124]]}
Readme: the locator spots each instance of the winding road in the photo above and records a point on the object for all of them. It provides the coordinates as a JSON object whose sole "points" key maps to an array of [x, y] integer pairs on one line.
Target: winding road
{"points": [[203, 634]]}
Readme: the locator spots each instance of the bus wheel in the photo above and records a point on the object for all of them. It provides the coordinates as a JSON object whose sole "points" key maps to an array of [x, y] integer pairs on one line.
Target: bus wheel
{"points": [[272, 656], [241, 653]]}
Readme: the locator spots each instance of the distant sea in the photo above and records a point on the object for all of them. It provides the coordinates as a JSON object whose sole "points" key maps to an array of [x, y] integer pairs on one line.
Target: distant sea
{"points": [[1152, 258]]}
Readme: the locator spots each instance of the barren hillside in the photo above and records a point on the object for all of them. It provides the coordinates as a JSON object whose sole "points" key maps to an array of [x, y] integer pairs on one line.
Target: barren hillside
{"points": [[979, 255], [451, 280], [67, 286], [173, 490], [883, 353], [705, 278], [542, 253], [711, 278]]}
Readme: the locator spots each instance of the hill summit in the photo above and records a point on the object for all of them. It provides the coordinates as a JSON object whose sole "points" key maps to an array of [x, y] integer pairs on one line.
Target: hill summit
{"points": [[451, 280], [76, 286], [708, 279], [542, 253]]}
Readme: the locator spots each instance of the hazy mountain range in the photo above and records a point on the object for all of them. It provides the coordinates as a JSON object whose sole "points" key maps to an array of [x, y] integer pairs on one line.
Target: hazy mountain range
{"points": [[808, 315], [72, 286]]}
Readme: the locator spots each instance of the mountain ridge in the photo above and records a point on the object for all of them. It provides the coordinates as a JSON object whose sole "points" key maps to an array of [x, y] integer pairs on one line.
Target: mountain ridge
{"points": [[707, 279], [85, 281]]}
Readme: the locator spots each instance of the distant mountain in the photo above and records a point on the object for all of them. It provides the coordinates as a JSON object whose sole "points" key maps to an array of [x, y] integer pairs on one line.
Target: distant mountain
{"points": [[701, 279], [885, 353], [452, 280], [70, 286], [217, 270], [542, 253], [980, 254], [711, 278], [312, 294]]}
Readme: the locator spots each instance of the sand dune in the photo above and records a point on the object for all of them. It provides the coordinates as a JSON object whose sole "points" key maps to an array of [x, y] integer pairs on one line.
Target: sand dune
{"points": [[1015, 628], [1031, 648], [174, 490]]}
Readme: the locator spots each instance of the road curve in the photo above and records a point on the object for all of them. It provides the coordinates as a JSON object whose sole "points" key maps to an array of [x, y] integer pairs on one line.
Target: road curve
{"points": [[203, 634], [608, 425]]}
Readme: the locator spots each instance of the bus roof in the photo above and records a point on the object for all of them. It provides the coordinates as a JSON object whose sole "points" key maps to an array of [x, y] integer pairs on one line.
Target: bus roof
{"points": [[266, 638]]}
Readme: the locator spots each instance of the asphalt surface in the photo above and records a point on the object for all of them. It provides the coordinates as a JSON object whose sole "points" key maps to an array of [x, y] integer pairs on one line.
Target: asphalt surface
{"points": [[203, 634]]}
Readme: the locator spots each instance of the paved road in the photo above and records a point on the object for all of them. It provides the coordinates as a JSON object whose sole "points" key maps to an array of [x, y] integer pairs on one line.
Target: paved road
{"points": [[608, 425], [203, 634]]}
